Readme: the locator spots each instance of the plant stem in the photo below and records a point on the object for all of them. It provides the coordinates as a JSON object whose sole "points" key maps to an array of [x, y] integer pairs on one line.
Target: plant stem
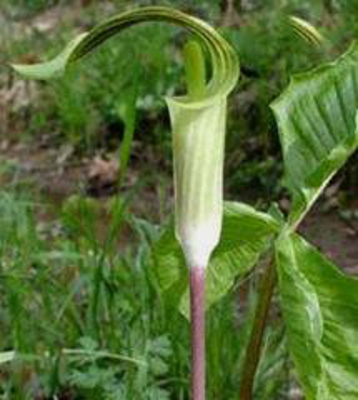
{"points": [[252, 358], [197, 310]]}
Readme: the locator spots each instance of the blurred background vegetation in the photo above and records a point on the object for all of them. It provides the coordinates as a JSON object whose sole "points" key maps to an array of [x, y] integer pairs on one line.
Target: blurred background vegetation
{"points": [[78, 299]]}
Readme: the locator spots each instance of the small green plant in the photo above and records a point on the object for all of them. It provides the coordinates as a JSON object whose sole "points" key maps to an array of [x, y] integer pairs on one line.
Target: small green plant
{"points": [[316, 116]]}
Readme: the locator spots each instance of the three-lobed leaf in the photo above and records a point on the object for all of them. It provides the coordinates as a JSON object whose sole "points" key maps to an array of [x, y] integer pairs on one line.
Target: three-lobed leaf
{"points": [[320, 307], [317, 119]]}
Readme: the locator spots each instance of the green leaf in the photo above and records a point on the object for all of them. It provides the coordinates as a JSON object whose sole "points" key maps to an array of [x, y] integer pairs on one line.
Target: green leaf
{"points": [[245, 236], [320, 308], [316, 116]]}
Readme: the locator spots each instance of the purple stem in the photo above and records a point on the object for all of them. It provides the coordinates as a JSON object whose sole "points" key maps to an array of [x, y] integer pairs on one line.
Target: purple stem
{"points": [[197, 310]]}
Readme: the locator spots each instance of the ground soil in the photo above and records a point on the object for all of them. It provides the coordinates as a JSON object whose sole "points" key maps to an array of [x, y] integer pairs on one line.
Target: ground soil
{"points": [[335, 236]]}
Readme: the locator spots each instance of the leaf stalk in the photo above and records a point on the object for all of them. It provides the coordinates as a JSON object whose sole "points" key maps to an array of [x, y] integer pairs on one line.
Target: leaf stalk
{"points": [[253, 352]]}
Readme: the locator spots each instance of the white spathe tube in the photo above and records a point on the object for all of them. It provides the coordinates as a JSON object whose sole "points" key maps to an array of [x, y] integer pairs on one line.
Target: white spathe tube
{"points": [[198, 149]]}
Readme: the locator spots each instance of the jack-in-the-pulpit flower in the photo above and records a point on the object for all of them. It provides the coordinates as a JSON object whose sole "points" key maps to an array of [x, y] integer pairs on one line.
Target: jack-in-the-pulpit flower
{"points": [[198, 125]]}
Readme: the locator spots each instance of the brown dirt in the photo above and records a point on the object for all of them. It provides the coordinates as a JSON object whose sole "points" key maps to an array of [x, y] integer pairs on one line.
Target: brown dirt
{"points": [[57, 173], [337, 238]]}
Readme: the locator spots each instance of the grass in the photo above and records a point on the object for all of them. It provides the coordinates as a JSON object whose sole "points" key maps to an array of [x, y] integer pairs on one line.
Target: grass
{"points": [[87, 318]]}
